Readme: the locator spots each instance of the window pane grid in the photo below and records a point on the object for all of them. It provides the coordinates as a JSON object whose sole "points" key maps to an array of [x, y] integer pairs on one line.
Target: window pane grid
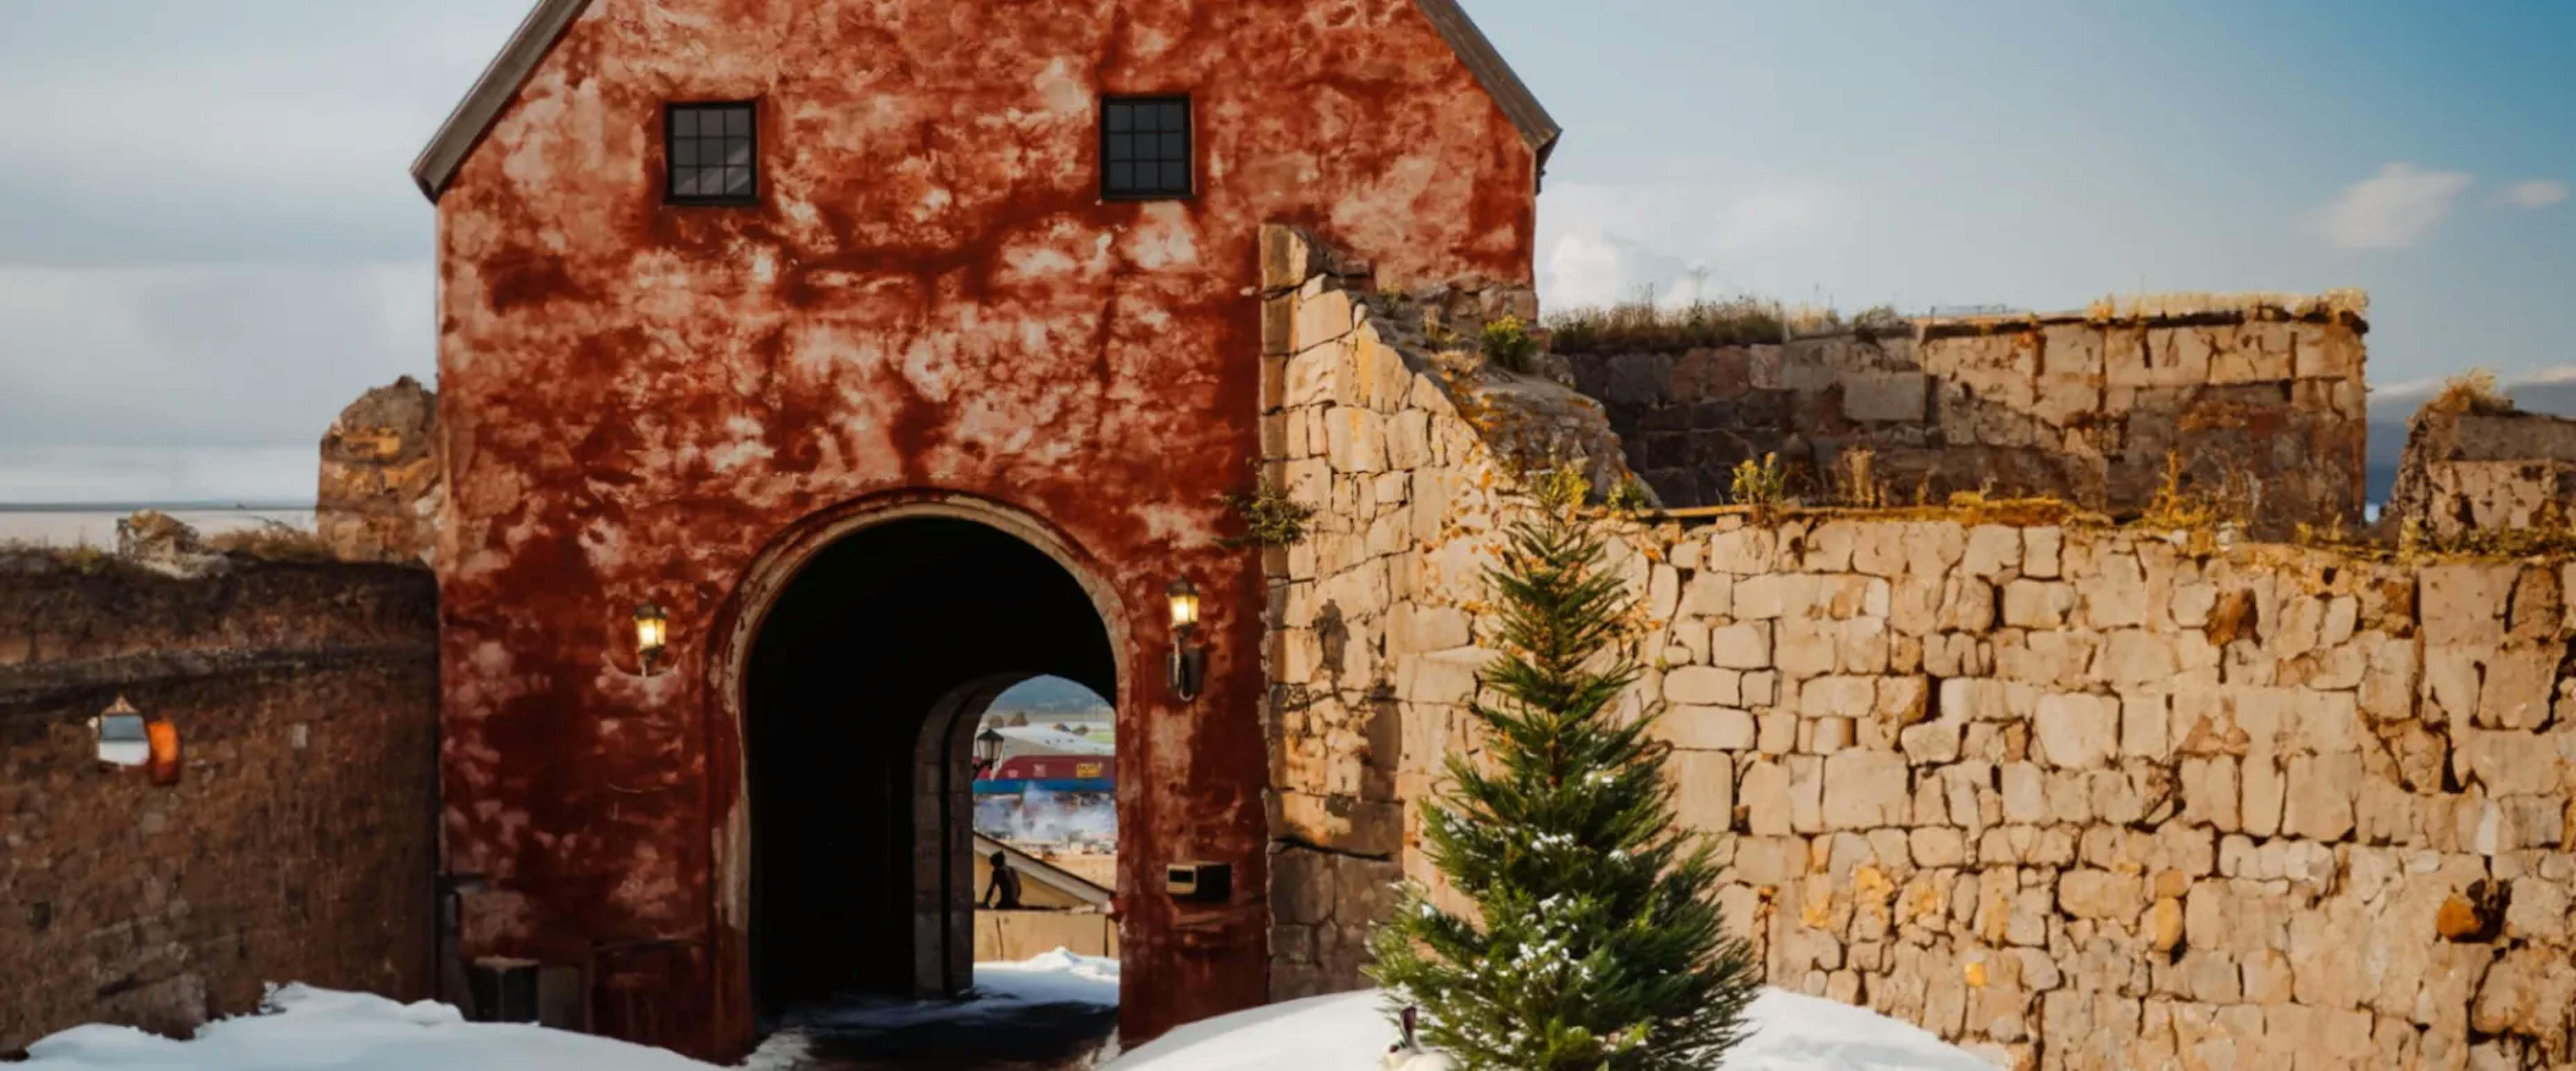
{"points": [[1145, 147], [712, 153]]}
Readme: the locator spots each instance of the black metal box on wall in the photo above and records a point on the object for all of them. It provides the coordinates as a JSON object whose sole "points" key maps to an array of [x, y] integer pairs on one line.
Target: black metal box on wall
{"points": [[1199, 882], [504, 990]]}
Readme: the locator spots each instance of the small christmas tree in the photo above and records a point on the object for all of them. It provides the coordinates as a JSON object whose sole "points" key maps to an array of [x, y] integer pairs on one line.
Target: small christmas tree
{"points": [[1600, 944]]}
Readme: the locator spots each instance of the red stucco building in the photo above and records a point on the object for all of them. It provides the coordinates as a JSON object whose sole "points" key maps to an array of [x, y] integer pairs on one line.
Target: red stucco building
{"points": [[897, 350]]}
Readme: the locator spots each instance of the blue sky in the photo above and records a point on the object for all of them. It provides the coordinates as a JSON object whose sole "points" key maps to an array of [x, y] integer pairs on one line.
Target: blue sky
{"points": [[2043, 154], [208, 243]]}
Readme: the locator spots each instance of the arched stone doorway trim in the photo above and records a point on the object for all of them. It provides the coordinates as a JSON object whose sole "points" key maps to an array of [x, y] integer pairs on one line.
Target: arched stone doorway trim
{"points": [[738, 625], [943, 809]]}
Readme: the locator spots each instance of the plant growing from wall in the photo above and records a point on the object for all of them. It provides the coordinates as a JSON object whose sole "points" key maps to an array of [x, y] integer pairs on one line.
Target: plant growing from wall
{"points": [[2473, 391], [1507, 342], [1856, 481], [1763, 485], [1270, 517], [2206, 517], [1436, 329], [1627, 498], [1598, 943]]}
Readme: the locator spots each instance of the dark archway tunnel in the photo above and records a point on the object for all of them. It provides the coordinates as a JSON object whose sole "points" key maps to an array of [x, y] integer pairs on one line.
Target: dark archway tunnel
{"points": [[857, 748]]}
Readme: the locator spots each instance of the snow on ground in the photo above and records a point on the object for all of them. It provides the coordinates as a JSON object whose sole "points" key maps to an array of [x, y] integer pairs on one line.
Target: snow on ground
{"points": [[1058, 977], [1002, 991], [1006, 994], [324, 1030], [1350, 1032], [311, 1029]]}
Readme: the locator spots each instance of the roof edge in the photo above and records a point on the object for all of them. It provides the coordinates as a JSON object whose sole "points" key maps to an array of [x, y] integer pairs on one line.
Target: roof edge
{"points": [[499, 84], [546, 21], [1503, 84]]}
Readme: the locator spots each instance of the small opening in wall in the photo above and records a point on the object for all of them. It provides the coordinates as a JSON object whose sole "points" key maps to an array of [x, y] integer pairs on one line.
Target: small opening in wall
{"points": [[122, 738]]}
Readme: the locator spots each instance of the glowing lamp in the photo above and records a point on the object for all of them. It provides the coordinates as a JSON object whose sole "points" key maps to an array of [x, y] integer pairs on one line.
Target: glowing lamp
{"points": [[1189, 663], [652, 631], [164, 740]]}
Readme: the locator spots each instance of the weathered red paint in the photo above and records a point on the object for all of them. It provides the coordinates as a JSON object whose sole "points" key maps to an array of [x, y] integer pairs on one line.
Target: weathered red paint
{"points": [[637, 398]]}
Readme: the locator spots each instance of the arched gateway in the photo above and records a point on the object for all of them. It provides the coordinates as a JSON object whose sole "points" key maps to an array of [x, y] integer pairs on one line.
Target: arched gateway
{"points": [[863, 650], [891, 349]]}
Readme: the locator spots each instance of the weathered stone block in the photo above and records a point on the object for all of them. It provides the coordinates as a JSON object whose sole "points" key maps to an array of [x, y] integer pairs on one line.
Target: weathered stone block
{"points": [[1343, 823], [1884, 396], [2037, 603], [1864, 789], [2077, 731], [1709, 594], [1708, 728], [2263, 790], [2101, 894], [2319, 796], [1703, 686], [1805, 646], [1847, 697], [1414, 627], [2134, 658], [1744, 645], [2040, 548], [2462, 604], [2144, 728], [1767, 794], [1704, 789], [1807, 793], [1934, 742]]}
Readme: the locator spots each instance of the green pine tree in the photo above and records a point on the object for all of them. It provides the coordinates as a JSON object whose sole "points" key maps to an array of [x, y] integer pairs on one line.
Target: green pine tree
{"points": [[1600, 946]]}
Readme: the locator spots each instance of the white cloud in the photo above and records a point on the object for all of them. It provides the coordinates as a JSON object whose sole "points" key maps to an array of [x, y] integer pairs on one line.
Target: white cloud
{"points": [[2537, 193], [1596, 267], [1769, 217], [1590, 252], [2393, 209]]}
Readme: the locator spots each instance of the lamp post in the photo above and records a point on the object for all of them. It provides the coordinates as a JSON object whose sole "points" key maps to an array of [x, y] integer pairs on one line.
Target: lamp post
{"points": [[1188, 661], [652, 631], [988, 748]]}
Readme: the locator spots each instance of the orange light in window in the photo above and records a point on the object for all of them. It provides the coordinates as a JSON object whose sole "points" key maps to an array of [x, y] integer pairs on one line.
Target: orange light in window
{"points": [[164, 738]]}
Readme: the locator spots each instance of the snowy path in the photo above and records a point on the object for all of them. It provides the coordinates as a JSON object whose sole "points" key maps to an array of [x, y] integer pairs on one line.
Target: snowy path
{"points": [[1049, 1013]]}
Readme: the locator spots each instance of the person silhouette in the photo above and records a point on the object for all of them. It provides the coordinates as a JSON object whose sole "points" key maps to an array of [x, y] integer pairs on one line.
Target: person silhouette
{"points": [[1005, 886]]}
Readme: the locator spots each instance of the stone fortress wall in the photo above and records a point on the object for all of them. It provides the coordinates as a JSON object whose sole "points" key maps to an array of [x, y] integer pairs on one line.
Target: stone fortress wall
{"points": [[2477, 465], [2072, 795], [300, 842], [2076, 795], [2085, 406], [377, 493]]}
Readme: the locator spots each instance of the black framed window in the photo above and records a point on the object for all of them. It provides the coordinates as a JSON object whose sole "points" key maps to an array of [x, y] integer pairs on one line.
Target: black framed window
{"points": [[714, 153], [1145, 148]]}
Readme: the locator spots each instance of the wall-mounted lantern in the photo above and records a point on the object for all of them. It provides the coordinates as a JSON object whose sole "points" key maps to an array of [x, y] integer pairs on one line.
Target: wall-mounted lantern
{"points": [[988, 748], [652, 631], [164, 738], [1189, 662]]}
